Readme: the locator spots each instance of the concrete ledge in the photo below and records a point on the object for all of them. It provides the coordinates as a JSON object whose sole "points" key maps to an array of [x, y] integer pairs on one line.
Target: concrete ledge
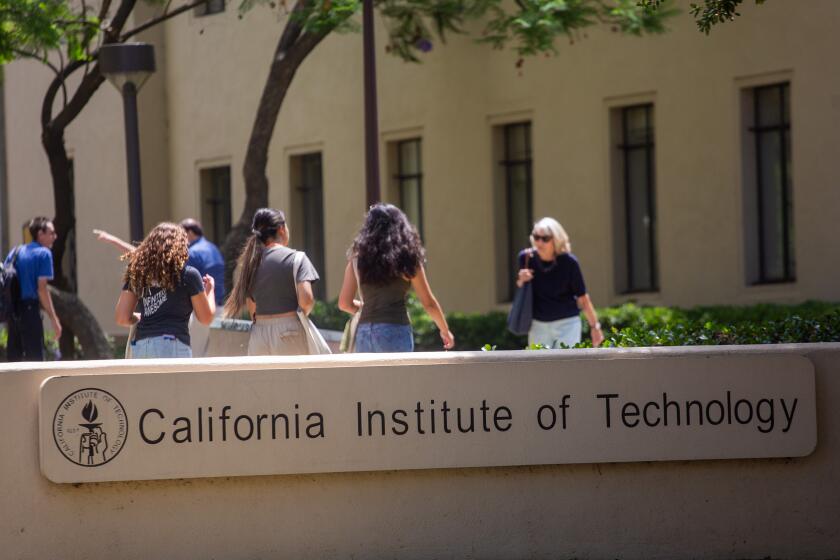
{"points": [[779, 508]]}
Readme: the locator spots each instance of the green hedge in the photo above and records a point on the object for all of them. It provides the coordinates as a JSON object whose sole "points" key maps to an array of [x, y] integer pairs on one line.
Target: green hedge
{"points": [[51, 352], [633, 325]]}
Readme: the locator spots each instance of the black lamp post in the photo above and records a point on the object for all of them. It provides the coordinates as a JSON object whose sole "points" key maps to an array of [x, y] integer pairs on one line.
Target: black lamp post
{"points": [[128, 66], [371, 117]]}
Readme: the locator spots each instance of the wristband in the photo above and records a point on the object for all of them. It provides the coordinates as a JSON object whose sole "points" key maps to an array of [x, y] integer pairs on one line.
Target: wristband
{"points": [[596, 326]]}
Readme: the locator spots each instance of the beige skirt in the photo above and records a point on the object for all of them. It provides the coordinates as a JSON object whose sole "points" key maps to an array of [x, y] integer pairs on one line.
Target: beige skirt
{"points": [[280, 336]]}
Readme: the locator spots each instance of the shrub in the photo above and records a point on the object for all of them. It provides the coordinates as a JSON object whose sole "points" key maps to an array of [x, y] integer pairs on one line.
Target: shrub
{"points": [[632, 325], [327, 315]]}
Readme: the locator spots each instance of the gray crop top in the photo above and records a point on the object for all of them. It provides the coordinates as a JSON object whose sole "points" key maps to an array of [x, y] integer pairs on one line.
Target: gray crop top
{"points": [[274, 290]]}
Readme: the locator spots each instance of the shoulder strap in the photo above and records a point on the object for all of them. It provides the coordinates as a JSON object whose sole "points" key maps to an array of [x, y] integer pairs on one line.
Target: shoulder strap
{"points": [[358, 282]]}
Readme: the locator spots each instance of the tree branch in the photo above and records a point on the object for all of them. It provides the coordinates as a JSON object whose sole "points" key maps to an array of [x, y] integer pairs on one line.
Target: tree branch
{"points": [[161, 18], [62, 66], [84, 92], [112, 34], [43, 60], [103, 10], [292, 31], [57, 83]]}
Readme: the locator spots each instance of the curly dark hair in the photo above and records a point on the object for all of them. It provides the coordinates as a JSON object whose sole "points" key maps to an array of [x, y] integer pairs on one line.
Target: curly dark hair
{"points": [[387, 246], [159, 260]]}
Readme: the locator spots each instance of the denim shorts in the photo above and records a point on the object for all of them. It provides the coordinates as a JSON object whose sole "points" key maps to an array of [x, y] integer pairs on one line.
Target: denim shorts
{"points": [[384, 337], [165, 346]]}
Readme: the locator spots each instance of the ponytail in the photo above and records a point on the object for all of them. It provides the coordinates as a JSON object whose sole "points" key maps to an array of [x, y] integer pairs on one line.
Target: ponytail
{"points": [[264, 227], [247, 264]]}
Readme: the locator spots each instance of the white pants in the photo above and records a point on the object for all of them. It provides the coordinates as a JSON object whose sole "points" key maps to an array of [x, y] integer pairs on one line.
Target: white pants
{"points": [[280, 336], [552, 333], [200, 334]]}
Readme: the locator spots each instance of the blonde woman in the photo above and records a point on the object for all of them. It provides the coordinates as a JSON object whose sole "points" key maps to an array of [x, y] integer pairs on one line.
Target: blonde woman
{"points": [[167, 291], [559, 289], [267, 286]]}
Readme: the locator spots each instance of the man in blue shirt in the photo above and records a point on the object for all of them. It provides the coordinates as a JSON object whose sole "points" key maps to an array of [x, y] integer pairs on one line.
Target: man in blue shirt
{"points": [[207, 258], [34, 265]]}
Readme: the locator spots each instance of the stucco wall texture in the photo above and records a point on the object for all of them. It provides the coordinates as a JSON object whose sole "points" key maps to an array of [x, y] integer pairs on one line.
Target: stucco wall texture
{"points": [[780, 508], [198, 110]]}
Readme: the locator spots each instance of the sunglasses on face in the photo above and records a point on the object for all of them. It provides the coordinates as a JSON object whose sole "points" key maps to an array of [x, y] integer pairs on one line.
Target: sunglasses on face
{"points": [[543, 238]]}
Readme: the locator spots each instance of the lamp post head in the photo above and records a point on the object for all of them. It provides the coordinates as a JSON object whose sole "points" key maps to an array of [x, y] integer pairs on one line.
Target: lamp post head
{"points": [[122, 63]]}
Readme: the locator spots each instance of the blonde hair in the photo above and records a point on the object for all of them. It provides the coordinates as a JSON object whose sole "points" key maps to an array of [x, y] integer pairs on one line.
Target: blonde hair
{"points": [[550, 226]]}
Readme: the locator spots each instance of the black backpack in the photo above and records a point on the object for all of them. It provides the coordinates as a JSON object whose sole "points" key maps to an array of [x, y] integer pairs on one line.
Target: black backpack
{"points": [[9, 288]]}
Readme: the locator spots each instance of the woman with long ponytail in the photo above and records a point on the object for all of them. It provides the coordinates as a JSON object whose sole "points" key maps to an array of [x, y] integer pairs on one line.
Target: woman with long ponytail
{"points": [[266, 286]]}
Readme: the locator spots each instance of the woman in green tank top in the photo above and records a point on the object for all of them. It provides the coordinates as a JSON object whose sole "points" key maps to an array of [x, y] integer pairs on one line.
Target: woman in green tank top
{"points": [[386, 259]]}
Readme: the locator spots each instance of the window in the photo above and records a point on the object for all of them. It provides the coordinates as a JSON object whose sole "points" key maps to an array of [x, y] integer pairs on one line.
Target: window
{"points": [[635, 200], [767, 186], [409, 181], [307, 220], [209, 8], [215, 203], [513, 201]]}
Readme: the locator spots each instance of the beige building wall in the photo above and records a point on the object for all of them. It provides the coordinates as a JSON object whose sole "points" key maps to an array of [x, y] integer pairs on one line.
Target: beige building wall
{"points": [[211, 74], [462, 90], [96, 143]]}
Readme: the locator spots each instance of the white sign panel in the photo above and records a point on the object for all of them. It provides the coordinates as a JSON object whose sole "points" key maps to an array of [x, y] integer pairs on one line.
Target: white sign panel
{"points": [[237, 423]]}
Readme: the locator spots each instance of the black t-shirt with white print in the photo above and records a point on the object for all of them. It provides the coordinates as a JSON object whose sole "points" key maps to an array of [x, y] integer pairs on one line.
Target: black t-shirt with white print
{"points": [[168, 313]]}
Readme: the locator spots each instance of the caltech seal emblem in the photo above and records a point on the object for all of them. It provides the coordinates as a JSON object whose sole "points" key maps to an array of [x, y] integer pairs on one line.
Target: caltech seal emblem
{"points": [[90, 427]]}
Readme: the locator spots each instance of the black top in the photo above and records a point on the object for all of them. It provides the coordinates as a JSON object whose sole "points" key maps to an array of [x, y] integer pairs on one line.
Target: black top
{"points": [[557, 284], [385, 304], [163, 312]]}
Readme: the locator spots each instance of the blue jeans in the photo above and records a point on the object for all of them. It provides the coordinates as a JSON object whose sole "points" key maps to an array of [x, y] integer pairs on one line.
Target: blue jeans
{"points": [[166, 346], [384, 337], [26, 333]]}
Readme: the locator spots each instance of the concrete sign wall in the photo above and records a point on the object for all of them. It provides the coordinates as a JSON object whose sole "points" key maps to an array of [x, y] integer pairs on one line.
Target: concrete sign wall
{"points": [[415, 416]]}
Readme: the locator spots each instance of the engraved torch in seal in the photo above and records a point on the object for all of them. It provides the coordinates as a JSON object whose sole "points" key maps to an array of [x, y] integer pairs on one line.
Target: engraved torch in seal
{"points": [[94, 443]]}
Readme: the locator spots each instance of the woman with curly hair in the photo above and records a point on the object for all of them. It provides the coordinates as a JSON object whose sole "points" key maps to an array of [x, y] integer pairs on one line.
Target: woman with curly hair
{"points": [[267, 285], [167, 291], [386, 259]]}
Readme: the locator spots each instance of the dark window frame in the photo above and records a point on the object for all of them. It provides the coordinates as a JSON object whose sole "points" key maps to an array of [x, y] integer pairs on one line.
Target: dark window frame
{"points": [[217, 202], [402, 177], [210, 7], [758, 131], [508, 164], [625, 147], [312, 198]]}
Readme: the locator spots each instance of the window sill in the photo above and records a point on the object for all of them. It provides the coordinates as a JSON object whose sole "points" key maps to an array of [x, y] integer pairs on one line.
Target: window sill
{"points": [[760, 283]]}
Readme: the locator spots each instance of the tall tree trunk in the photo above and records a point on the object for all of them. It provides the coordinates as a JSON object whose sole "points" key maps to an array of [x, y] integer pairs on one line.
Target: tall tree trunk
{"points": [[77, 317], [77, 320], [65, 211], [65, 224], [292, 49]]}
